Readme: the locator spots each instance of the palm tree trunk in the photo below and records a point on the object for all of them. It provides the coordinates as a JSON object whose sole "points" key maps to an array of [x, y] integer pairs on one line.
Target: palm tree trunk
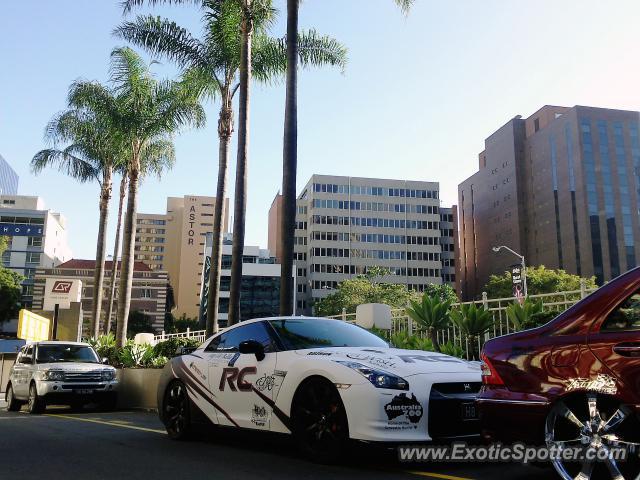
{"points": [[116, 251], [434, 339], [98, 276], [126, 268], [240, 200], [289, 163], [225, 130]]}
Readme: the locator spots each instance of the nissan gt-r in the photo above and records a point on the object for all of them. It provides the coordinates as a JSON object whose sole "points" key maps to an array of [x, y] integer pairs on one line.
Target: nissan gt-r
{"points": [[324, 381]]}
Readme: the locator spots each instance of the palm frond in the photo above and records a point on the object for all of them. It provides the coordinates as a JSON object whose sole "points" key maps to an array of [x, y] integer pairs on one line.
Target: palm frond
{"points": [[164, 38], [405, 5], [128, 5], [157, 156], [67, 162]]}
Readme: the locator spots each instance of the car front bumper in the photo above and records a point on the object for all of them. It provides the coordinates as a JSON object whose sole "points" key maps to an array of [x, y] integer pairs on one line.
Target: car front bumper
{"points": [[66, 392], [420, 414]]}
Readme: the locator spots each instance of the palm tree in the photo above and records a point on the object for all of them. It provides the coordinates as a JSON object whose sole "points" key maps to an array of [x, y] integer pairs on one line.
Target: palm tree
{"points": [[94, 151], [213, 61], [147, 112], [290, 155], [432, 314], [473, 322], [116, 253]]}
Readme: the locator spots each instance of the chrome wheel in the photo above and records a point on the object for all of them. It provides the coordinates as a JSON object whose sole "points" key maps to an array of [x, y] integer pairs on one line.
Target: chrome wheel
{"points": [[320, 421], [604, 434], [34, 404], [176, 411], [13, 405]]}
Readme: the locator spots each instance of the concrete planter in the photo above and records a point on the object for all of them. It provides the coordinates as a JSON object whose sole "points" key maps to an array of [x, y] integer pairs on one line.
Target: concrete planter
{"points": [[138, 388]]}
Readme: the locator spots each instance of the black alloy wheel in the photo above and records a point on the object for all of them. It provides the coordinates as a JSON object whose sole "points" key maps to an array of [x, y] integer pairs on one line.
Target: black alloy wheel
{"points": [[175, 411], [319, 421]]}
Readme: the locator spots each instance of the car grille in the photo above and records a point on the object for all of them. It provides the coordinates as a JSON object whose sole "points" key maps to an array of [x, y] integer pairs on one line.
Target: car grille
{"points": [[83, 377], [449, 406]]}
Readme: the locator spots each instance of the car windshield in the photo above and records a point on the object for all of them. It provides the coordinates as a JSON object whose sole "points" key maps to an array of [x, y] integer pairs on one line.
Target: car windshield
{"points": [[303, 334], [66, 353]]}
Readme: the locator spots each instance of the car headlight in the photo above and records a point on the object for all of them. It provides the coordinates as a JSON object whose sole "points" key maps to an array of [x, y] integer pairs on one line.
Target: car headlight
{"points": [[53, 375], [378, 378], [108, 375]]}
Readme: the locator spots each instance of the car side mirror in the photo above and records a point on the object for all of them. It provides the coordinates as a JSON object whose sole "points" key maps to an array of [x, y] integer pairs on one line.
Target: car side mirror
{"points": [[187, 350], [105, 361], [252, 346]]}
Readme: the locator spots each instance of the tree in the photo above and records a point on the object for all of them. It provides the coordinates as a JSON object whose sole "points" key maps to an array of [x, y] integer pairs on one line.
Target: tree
{"points": [[213, 61], [539, 280], [443, 292], [290, 155], [116, 253], [363, 289], [94, 151], [473, 322], [10, 289], [147, 113], [432, 314]]}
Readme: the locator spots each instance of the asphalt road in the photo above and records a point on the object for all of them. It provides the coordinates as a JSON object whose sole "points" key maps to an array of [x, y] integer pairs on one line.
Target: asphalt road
{"points": [[133, 445]]}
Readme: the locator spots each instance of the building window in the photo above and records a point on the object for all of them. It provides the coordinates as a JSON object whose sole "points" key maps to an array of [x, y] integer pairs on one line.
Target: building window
{"points": [[145, 293], [34, 241], [33, 257]]}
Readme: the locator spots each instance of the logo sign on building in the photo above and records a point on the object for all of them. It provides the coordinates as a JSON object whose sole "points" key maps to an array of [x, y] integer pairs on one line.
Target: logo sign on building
{"points": [[62, 292], [32, 327], [517, 282], [13, 230]]}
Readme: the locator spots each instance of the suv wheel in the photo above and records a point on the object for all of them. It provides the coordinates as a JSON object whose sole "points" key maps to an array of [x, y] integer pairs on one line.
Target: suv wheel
{"points": [[35, 404], [13, 404]]}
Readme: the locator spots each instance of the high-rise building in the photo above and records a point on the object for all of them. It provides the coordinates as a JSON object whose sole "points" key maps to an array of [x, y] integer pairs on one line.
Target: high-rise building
{"points": [[8, 179], [148, 291], [345, 225], [174, 241], [260, 285], [562, 188], [37, 238]]}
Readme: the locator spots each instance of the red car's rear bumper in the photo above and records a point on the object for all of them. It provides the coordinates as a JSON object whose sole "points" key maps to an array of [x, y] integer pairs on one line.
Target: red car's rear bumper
{"points": [[509, 417]]}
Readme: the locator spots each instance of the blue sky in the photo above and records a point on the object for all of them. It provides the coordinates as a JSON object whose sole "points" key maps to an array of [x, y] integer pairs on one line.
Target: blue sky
{"points": [[419, 95]]}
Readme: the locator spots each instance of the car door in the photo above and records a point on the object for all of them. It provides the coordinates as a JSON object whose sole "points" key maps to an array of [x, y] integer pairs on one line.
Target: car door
{"points": [[22, 372], [616, 343], [240, 381]]}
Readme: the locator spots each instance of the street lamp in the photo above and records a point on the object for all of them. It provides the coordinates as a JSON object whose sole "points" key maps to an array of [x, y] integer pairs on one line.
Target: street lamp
{"points": [[521, 257]]}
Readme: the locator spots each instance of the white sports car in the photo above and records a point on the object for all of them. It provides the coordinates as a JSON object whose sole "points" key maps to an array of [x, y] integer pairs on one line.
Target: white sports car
{"points": [[324, 381]]}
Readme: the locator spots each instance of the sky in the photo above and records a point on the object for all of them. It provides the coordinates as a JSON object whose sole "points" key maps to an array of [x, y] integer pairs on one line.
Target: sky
{"points": [[417, 99]]}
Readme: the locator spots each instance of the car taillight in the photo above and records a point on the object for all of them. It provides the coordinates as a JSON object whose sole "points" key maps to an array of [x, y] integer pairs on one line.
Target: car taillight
{"points": [[489, 374]]}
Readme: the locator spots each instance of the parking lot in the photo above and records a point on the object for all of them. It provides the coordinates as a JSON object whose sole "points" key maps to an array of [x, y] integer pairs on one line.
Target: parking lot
{"points": [[89, 445]]}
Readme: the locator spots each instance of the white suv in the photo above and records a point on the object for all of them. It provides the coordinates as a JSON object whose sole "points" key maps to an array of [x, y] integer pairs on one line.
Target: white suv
{"points": [[60, 373]]}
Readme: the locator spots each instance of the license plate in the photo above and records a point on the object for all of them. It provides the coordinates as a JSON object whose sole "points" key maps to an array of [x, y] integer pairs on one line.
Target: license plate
{"points": [[469, 411], [84, 391]]}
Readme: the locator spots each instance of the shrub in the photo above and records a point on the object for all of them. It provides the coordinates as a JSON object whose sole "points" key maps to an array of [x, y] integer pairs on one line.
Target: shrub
{"points": [[171, 347], [452, 349], [411, 342]]}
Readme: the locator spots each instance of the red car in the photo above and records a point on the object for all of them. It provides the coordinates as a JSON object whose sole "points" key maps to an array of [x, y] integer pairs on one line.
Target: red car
{"points": [[574, 382]]}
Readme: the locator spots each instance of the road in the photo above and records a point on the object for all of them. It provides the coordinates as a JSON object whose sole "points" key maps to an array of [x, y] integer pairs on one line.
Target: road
{"points": [[133, 445]]}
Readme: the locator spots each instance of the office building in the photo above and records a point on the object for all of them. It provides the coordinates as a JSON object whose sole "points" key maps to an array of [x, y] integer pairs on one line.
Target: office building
{"points": [[37, 238], [260, 287], [560, 187], [174, 242], [8, 179], [148, 293], [345, 225]]}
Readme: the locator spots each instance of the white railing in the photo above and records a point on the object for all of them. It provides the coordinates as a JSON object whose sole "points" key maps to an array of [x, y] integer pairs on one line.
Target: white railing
{"points": [[401, 322], [199, 335]]}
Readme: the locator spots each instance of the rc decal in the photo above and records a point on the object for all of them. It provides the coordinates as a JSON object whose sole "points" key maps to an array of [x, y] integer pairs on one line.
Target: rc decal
{"points": [[235, 378]]}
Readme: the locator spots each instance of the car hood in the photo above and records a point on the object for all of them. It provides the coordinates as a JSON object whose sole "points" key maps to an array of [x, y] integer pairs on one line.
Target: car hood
{"points": [[395, 360], [73, 367]]}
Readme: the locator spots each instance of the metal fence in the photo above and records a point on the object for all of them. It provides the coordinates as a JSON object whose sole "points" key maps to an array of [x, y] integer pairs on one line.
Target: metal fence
{"points": [[199, 335]]}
